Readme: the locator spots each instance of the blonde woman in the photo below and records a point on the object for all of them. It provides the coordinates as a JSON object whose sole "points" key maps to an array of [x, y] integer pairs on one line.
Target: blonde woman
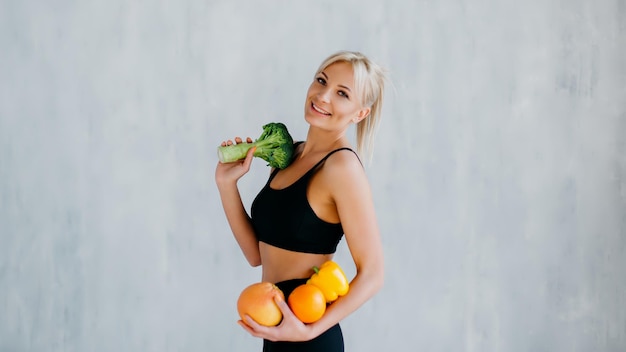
{"points": [[299, 217]]}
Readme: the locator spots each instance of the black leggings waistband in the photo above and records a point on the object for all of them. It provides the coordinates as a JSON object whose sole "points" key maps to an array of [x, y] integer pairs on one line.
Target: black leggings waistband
{"points": [[288, 286], [329, 341]]}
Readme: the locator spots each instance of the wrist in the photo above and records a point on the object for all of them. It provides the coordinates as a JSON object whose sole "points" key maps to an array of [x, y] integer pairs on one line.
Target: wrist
{"points": [[313, 331], [225, 184]]}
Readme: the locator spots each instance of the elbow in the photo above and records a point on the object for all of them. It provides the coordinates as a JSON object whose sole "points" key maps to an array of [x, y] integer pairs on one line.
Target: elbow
{"points": [[254, 262], [252, 255], [378, 281], [375, 279]]}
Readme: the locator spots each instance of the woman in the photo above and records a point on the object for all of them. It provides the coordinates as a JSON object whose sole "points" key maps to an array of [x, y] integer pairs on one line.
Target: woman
{"points": [[301, 214]]}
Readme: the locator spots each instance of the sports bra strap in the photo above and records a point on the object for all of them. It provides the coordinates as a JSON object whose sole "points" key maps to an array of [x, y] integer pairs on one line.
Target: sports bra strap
{"points": [[272, 175], [331, 153], [318, 164]]}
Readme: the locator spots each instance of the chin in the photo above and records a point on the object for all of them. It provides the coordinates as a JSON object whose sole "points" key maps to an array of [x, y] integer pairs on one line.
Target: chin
{"points": [[314, 121]]}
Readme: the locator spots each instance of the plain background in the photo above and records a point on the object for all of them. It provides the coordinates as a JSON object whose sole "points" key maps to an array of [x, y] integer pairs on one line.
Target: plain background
{"points": [[499, 174]]}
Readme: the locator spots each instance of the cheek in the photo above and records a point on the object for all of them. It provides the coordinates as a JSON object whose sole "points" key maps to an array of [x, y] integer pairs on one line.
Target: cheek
{"points": [[312, 90], [346, 106]]}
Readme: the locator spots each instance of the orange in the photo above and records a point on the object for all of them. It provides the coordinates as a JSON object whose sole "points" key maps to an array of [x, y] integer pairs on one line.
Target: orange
{"points": [[257, 301], [307, 302]]}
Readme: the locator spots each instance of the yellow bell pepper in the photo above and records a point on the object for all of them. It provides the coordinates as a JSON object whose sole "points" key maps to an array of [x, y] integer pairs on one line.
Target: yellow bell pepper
{"points": [[330, 278]]}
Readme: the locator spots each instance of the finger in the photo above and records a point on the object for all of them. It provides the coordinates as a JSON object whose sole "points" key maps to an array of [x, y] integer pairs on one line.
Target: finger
{"points": [[223, 144], [255, 328], [283, 306], [248, 160], [229, 142], [251, 323], [248, 329], [237, 140], [248, 140]]}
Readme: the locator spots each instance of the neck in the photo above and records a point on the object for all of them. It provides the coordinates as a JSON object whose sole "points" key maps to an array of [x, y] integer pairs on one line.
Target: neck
{"points": [[323, 141]]}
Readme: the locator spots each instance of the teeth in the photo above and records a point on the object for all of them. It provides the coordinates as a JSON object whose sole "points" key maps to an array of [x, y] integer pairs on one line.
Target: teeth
{"points": [[320, 110]]}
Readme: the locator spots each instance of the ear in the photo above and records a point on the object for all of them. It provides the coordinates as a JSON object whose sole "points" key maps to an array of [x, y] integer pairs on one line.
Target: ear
{"points": [[363, 113]]}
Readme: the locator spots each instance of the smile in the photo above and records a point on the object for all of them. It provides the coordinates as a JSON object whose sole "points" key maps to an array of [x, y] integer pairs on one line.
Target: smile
{"points": [[319, 110]]}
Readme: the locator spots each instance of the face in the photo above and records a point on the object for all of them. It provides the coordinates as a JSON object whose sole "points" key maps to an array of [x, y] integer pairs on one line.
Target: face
{"points": [[331, 101]]}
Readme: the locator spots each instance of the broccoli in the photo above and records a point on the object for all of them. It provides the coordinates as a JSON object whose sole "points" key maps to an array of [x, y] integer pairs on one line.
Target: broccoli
{"points": [[275, 146]]}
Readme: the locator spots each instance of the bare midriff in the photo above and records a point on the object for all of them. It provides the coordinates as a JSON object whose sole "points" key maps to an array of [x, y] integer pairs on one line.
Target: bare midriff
{"points": [[281, 264]]}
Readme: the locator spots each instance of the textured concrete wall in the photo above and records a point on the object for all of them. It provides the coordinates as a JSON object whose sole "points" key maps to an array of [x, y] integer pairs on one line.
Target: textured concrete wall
{"points": [[499, 174]]}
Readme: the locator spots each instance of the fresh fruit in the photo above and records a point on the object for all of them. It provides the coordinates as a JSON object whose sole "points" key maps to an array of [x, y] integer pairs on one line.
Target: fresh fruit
{"points": [[329, 278], [257, 301], [307, 302]]}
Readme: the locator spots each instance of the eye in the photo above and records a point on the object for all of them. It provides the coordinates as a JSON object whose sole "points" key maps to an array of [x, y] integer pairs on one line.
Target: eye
{"points": [[321, 80], [343, 94]]}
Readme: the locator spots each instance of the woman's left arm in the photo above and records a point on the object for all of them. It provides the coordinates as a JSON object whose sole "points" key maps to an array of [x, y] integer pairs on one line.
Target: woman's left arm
{"points": [[351, 192]]}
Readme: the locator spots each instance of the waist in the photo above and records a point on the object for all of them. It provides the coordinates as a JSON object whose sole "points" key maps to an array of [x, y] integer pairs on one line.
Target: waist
{"points": [[287, 286], [280, 265]]}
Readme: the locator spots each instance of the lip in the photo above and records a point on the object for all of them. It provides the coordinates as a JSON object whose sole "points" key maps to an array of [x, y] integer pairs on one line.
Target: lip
{"points": [[316, 109]]}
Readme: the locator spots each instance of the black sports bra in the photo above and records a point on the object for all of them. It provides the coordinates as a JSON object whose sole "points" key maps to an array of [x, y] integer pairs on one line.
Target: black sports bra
{"points": [[284, 218]]}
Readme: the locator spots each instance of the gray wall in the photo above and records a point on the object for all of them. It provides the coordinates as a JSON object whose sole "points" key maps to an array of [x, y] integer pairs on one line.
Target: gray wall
{"points": [[499, 175]]}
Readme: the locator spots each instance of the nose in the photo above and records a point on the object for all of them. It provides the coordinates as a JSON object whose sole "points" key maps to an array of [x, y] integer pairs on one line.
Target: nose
{"points": [[324, 95]]}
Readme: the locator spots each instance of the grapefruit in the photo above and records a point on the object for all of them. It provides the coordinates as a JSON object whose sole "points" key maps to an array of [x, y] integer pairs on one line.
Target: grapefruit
{"points": [[257, 301]]}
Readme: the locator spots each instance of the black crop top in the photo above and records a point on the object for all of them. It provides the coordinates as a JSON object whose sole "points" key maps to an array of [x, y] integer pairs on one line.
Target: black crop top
{"points": [[285, 219]]}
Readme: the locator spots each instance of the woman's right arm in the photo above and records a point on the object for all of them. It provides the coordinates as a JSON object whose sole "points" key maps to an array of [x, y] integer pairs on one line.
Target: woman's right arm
{"points": [[226, 177]]}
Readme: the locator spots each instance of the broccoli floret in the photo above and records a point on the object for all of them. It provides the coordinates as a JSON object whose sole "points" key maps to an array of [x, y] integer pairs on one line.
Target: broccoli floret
{"points": [[275, 146]]}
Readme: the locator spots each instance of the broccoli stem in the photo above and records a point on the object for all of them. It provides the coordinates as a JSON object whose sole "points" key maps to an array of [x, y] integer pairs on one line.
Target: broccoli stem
{"points": [[233, 152], [275, 146]]}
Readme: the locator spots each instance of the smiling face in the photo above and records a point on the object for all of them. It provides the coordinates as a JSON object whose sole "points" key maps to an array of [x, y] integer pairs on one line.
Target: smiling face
{"points": [[332, 103]]}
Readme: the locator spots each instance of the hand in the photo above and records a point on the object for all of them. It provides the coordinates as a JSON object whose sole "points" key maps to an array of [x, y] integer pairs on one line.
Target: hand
{"points": [[237, 141], [289, 329], [231, 172]]}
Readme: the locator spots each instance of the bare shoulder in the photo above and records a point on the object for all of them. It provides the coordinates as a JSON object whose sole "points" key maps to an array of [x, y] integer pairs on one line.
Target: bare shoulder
{"points": [[344, 170], [343, 160]]}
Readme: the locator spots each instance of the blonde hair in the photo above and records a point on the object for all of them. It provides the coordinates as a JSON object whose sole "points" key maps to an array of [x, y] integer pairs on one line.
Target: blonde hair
{"points": [[369, 81]]}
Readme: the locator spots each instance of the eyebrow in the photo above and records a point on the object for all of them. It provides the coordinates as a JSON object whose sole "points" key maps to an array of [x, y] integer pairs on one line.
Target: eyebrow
{"points": [[340, 85]]}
